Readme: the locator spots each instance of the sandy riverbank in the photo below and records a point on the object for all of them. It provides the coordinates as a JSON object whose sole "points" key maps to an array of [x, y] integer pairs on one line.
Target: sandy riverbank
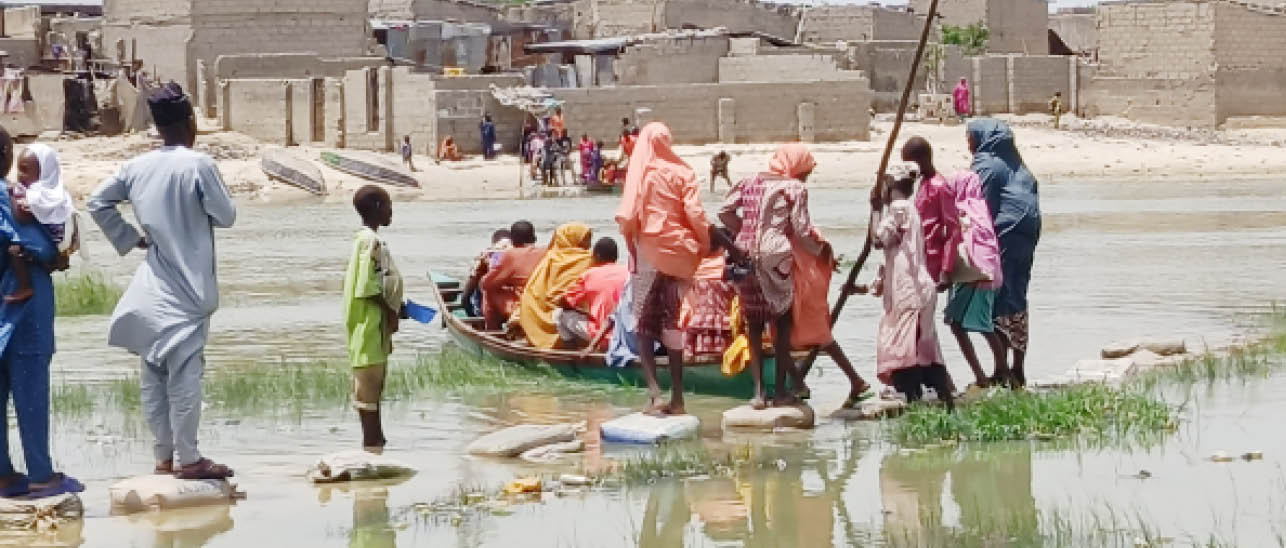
{"points": [[1100, 148]]}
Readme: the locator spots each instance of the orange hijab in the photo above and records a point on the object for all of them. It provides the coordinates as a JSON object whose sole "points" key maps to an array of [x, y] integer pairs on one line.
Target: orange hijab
{"points": [[651, 152], [812, 274]]}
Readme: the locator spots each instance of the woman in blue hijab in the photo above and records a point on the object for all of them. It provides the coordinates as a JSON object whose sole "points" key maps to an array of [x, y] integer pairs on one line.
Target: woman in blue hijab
{"points": [[1013, 198]]}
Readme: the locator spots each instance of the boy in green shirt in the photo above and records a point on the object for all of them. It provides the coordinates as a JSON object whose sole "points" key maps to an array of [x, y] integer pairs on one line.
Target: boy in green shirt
{"points": [[372, 307]]}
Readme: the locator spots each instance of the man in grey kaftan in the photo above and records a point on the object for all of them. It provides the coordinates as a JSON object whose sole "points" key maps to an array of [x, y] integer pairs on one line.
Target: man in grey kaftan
{"points": [[178, 198]]}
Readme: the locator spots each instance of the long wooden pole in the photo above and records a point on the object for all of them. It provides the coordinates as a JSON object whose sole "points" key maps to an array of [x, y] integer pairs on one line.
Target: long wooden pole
{"points": [[807, 364]]}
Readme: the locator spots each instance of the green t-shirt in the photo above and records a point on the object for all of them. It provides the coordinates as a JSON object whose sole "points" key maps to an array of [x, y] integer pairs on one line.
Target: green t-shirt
{"points": [[372, 279]]}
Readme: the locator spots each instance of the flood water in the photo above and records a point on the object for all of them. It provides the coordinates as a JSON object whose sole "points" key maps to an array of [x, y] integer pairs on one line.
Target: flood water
{"points": [[1195, 259]]}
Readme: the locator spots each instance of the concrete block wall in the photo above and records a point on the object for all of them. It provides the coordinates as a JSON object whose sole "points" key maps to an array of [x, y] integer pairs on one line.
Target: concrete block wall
{"points": [[47, 94], [23, 52], [608, 18], [735, 15], [288, 65], [1018, 26], [1169, 102], [414, 110], [1170, 40], [672, 61], [260, 108], [830, 24], [390, 9], [1250, 92], [462, 11], [163, 49], [955, 12], [1033, 81], [763, 112], [335, 115], [124, 12], [22, 22], [360, 130], [990, 85], [1078, 30], [1246, 39], [783, 68]]}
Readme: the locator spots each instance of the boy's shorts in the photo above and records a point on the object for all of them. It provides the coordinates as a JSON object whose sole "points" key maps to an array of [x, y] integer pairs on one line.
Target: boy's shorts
{"points": [[368, 387]]}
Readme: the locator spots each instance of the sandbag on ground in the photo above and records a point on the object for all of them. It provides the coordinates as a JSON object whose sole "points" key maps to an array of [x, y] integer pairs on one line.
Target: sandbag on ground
{"points": [[746, 417], [553, 452], [40, 514], [515, 440], [357, 466], [643, 428], [157, 492]]}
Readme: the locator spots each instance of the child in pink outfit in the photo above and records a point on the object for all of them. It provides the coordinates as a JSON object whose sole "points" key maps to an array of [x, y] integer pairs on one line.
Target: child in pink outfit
{"points": [[908, 355]]}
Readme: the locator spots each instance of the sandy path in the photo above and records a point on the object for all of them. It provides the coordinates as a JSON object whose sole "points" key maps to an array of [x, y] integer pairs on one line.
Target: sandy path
{"points": [[1101, 148]]}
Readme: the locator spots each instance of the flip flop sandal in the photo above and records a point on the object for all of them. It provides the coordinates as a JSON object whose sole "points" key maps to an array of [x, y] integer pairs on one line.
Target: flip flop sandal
{"points": [[165, 468], [853, 402], [804, 395], [204, 469], [65, 484], [20, 486]]}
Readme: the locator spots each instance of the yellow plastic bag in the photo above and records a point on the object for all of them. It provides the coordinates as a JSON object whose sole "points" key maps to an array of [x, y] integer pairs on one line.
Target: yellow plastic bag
{"points": [[523, 485]]}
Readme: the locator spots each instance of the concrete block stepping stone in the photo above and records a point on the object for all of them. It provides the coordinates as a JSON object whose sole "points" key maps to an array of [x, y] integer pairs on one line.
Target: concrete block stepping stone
{"points": [[871, 410], [644, 428], [516, 440], [157, 492], [746, 417], [553, 452], [357, 466]]}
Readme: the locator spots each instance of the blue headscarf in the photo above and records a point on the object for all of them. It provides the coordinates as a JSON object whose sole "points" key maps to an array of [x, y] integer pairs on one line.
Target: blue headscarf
{"points": [[1012, 195], [1010, 188]]}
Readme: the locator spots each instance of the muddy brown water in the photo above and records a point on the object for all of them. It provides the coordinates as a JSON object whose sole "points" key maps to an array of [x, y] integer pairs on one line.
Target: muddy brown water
{"points": [[1197, 259]]}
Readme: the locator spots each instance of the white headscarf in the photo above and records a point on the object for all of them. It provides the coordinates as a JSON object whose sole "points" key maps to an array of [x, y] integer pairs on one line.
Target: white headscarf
{"points": [[48, 198]]}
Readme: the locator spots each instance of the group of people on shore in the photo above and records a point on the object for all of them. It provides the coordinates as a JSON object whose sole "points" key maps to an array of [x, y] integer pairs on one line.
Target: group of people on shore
{"points": [[766, 268]]}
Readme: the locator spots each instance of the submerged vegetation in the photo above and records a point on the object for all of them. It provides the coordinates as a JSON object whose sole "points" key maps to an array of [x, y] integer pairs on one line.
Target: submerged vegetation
{"points": [[283, 385], [85, 294], [1092, 410]]}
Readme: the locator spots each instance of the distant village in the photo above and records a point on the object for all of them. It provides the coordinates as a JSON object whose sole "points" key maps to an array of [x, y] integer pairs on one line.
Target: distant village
{"points": [[364, 74]]}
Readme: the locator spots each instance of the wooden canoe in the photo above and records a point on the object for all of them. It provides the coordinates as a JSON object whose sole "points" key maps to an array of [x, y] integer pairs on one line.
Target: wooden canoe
{"points": [[282, 165], [371, 169], [702, 376]]}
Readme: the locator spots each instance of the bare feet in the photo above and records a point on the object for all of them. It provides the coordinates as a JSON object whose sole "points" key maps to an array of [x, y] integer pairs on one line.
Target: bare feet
{"points": [[164, 468], [19, 295], [757, 403]]}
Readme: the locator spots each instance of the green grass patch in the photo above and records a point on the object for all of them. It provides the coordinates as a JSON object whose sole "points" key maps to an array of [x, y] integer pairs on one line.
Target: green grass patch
{"points": [[85, 294], [73, 400], [1092, 410], [271, 387]]}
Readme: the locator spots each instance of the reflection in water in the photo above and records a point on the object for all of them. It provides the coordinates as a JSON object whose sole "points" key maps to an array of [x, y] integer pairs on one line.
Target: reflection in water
{"points": [[986, 488], [186, 527], [372, 521], [371, 527]]}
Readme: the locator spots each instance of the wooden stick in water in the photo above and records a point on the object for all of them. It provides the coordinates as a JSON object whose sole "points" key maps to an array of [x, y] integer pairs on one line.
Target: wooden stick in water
{"points": [[807, 365]]}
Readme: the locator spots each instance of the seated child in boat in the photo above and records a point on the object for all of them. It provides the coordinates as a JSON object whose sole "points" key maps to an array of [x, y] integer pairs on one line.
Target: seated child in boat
{"points": [[372, 307], [588, 304], [40, 197], [503, 284], [471, 297], [907, 352]]}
